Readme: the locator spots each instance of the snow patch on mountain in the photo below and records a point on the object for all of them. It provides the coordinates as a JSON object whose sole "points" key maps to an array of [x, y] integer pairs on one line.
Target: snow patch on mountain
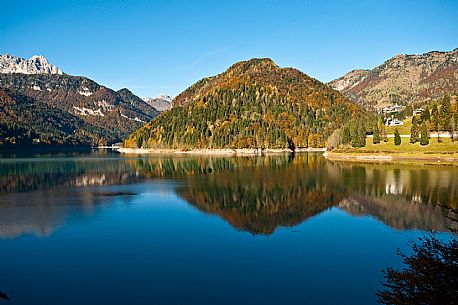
{"points": [[164, 97], [88, 111], [85, 91], [105, 105], [133, 119]]}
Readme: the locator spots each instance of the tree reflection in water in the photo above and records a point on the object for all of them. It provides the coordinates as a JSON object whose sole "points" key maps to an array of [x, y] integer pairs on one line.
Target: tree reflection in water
{"points": [[260, 194], [254, 194]]}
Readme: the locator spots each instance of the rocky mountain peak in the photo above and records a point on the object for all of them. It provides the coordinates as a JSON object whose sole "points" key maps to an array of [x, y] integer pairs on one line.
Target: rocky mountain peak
{"points": [[37, 64], [162, 102], [404, 79]]}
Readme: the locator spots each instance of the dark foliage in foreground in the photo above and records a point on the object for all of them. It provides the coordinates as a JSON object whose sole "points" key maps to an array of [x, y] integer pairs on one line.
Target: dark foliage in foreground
{"points": [[4, 296], [430, 276]]}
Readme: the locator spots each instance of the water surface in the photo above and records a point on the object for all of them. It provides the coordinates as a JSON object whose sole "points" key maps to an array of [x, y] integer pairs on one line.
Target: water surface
{"points": [[101, 228]]}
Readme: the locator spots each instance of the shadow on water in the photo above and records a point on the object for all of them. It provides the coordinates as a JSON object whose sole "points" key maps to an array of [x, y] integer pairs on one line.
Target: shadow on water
{"points": [[253, 194]]}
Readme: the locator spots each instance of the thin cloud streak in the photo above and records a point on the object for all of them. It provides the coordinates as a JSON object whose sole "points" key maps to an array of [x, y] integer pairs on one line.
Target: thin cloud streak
{"points": [[201, 58]]}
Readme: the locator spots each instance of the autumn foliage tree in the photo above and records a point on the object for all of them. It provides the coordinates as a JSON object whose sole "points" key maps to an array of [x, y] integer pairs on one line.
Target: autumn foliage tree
{"points": [[430, 276]]}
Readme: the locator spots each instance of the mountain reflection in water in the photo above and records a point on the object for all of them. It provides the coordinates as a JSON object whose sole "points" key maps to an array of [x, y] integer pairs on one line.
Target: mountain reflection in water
{"points": [[253, 194]]}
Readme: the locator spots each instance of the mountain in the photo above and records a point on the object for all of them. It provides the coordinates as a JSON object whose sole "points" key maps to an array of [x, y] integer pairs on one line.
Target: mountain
{"points": [[33, 65], [60, 109], [26, 121], [403, 79], [254, 104], [161, 102]]}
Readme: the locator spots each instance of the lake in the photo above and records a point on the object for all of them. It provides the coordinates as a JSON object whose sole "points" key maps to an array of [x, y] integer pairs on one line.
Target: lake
{"points": [[102, 228]]}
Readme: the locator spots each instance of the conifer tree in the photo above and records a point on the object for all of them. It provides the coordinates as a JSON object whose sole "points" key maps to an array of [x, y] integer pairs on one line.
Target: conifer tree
{"points": [[362, 135], [383, 134], [358, 134], [424, 140], [444, 114], [435, 119], [376, 137], [354, 127], [414, 131], [452, 129], [425, 115], [397, 137], [345, 135]]}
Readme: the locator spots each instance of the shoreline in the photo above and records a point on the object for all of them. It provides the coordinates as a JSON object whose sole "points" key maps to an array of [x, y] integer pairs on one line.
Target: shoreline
{"points": [[354, 157], [214, 152], [368, 157]]}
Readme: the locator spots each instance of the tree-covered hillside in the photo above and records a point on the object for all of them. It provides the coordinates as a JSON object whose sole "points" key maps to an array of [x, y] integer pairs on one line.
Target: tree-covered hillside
{"points": [[254, 104], [25, 121], [52, 109]]}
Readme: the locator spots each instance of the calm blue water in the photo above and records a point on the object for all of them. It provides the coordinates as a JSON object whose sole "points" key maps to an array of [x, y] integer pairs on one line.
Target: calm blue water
{"points": [[101, 228]]}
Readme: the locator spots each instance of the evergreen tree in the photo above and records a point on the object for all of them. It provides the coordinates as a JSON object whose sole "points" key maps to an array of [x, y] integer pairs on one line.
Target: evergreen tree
{"points": [[397, 137], [345, 135], [139, 141], [425, 115], [383, 134], [435, 119], [358, 134], [354, 128], [414, 131], [376, 137], [424, 140], [445, 114], [362, 135], [452, 129]]}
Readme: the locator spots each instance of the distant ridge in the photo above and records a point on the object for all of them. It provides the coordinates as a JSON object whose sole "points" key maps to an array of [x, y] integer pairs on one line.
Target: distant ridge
{"points": [[403, 79], [161, 102]]}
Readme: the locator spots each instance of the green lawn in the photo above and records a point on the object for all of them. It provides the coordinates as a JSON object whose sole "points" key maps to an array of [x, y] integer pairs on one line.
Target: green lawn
{"points": [[446, 146], [404, 129]]}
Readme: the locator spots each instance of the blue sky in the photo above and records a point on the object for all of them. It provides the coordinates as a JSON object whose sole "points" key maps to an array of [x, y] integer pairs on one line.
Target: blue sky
{"points": [[152, 47]]}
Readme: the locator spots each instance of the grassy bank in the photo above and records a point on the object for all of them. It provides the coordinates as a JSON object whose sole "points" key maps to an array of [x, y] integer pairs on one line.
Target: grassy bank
{"points": [[446, 146], [403, 129], [445, 152]]}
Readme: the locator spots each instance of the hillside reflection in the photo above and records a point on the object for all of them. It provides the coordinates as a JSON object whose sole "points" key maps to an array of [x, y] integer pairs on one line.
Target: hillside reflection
{"points": [[260, 194], [26, 176], [256, 195], [41, 213]]}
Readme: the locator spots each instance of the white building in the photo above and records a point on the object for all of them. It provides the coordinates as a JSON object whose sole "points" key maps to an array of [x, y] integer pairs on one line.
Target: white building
{"points": [[417, 111], [392, 109], [393, 122]]}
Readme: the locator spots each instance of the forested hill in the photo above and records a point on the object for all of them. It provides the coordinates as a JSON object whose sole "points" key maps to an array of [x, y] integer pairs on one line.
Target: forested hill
{"points": [[25, 121], [61, 109], [254, 104]]}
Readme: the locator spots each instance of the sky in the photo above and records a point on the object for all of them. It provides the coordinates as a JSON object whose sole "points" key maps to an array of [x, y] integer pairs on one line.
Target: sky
{"points": [[154, 47]]}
